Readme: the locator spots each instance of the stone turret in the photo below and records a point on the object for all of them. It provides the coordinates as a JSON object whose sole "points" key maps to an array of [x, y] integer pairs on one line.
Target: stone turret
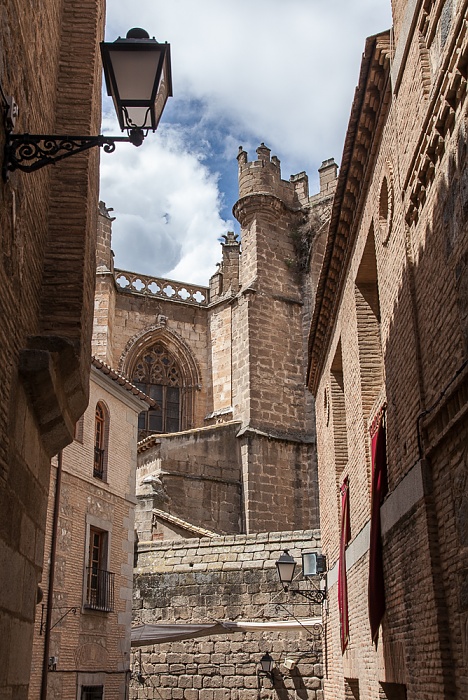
{"points": [[104, 255], [263, 176], [226, 279], [268, 392], [104, 299]]}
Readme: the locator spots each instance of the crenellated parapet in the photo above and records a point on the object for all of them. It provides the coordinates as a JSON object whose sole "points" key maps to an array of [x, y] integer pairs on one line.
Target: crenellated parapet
{"points": [[261, 179]]}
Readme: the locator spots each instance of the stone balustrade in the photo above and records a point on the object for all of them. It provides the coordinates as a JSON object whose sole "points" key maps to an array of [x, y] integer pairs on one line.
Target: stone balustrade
{"points": [[169, 290]]}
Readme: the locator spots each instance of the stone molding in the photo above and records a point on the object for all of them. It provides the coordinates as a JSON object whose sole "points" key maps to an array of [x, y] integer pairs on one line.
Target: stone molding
{"points": [[368, 112]]}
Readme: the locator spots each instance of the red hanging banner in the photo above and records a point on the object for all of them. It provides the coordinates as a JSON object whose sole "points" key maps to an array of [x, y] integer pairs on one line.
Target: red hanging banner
{"points": [[376, 590], [345, 536]]}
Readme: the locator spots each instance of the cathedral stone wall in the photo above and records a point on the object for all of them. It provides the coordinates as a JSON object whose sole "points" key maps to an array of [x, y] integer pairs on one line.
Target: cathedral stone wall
{"points": [[240, 345], [225, 578], [195, 476]]}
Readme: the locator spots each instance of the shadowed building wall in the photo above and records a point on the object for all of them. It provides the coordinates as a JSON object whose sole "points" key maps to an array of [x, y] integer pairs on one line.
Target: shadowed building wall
{"points": [[49, 64]]}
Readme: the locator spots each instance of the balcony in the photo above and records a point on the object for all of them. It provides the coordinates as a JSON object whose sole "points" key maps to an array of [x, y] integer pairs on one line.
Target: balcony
{"points": [[99, 590], [98, 470]]}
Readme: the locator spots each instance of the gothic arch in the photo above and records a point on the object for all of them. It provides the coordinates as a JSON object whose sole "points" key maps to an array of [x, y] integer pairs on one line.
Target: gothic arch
{"points": [[185, 365]]}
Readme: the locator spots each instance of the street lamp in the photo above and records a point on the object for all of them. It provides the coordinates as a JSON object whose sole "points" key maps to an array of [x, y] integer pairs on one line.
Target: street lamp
{"points": [[137, 72], [312, 564], [266, 665]]}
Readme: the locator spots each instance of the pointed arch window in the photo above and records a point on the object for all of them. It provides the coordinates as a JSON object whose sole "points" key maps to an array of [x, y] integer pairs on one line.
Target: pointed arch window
{"points": [[157, 373]]}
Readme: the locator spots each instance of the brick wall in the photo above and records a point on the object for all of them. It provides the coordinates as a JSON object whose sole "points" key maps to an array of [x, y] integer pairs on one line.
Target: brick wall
{"points": [[407, 351], [48, 64], [91, 641]]}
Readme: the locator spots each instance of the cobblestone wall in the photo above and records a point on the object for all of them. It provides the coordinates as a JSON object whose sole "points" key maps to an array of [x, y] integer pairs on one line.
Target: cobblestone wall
{"points": [[225, 578]]}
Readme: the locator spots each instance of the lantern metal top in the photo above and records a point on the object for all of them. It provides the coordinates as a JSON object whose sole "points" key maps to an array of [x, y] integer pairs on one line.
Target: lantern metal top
{"points": [[137, 72]]}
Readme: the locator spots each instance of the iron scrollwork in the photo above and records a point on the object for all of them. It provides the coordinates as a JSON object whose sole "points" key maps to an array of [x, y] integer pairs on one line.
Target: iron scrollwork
{"points": [[28, 152], [316, 596]]}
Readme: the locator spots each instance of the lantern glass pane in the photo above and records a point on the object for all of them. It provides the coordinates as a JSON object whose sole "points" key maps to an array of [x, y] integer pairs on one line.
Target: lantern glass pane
{"points": [[135, 73], [138, 116], [266, 663], [163, 90], [286, 571], [309, 564]]}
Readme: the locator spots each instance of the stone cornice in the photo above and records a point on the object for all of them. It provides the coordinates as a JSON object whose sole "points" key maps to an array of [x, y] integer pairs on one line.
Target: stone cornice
{"points": [[246, 207], [369, 109], [448, 93]]}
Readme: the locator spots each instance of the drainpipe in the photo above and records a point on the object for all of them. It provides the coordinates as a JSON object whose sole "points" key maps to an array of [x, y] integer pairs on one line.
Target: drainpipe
{"points": [[50, 591]]}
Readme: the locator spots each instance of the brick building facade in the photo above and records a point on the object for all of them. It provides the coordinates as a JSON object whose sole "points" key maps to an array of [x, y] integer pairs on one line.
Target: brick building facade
{"points": [[388, 369], [94, 550], [48, 63]]}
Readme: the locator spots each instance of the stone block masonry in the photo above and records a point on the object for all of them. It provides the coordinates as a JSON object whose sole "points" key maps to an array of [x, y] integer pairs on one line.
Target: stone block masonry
{"points": [[225, 578]]}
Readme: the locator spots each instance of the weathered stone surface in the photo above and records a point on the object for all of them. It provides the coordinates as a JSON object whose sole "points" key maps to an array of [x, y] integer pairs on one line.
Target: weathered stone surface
{"points": [[225, 664]]}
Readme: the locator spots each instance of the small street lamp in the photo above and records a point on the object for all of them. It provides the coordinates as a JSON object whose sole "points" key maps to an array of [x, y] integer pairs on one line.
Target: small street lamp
{"points": [[137, 72], [312, 564], [267, 664]]}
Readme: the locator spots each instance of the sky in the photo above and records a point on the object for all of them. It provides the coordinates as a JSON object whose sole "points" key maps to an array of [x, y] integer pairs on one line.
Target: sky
{"points": [[281, 72]]}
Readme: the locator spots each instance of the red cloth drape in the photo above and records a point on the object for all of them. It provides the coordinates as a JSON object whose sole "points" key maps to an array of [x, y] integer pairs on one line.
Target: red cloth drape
{"points": [[345, 536], [376, 591]]}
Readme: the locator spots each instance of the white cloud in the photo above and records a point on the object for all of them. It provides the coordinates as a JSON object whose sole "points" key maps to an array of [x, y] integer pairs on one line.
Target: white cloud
{"points": [[166, 205], [277, 71]]}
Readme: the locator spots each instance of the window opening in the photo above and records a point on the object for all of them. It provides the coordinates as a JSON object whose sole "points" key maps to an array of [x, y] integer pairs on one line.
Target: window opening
{"points": [[352, 689], [340, 435], [392, 691], [99, 581], [157, 374], [99, 436], [368, 326], [92, 692]]}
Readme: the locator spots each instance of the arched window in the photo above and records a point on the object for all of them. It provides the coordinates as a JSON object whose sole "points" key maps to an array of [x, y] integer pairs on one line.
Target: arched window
{"points": [[158, 375], [100, 435]]}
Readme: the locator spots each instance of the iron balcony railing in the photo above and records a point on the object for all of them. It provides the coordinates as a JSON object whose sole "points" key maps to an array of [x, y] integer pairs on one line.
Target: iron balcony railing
{"points": [[98, 471], [99, 590]]}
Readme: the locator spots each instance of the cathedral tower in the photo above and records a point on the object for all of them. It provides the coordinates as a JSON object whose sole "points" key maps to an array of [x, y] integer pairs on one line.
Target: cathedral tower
{"points": [[268, 346]]}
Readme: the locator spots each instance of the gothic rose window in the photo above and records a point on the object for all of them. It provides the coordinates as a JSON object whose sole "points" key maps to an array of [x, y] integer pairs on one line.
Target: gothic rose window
{"points": [[157, 374]]}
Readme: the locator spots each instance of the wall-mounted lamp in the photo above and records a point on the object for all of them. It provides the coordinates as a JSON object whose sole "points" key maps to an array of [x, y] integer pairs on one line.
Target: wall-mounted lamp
{"points": [[312, 564], [137, 72], [267, 665]]}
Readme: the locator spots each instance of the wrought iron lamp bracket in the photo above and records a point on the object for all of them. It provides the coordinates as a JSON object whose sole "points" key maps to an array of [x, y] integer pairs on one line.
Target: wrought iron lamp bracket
{"points": [[30, 152], [316, 597], [43, 623]]}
